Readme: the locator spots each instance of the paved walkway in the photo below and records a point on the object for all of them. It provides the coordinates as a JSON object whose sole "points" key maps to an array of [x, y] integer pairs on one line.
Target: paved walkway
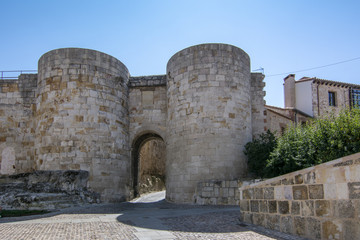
{"points": [[139, 219]]}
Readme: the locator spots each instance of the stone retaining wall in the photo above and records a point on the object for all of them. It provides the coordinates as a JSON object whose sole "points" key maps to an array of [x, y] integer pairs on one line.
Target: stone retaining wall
{"points": [[320, 202], [220, 192]]}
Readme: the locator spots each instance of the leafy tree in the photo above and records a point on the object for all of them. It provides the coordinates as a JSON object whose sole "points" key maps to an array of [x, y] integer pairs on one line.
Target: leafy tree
{"points": [[258, 152]]}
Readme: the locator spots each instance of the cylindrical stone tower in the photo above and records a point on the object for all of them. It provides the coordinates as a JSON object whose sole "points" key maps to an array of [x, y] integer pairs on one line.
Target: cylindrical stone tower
{"points": [[209, 117], [82, 118]]}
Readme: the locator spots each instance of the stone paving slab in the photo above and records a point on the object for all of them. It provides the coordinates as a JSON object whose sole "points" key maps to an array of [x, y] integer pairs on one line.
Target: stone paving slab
{"points": [[159, 220]]}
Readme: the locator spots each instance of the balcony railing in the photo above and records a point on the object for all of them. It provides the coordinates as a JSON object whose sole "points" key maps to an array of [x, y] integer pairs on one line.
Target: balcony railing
{"points": [[14, 74]]}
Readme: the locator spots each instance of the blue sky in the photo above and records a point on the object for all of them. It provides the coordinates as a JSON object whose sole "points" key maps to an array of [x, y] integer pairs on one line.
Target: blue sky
{"points": [[280, 36]]}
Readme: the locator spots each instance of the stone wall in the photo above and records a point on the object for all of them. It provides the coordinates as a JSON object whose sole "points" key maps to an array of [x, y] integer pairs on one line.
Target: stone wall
{"points": [[218, 192], [320, 96], [277, 122], [208, 119], [83, 119], [258, 119], [83, 111], [320, 202], [17, 109], [147, 106]]}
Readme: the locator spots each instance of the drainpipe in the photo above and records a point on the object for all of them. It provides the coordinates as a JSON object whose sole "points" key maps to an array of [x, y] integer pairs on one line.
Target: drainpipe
{"points": [[318, 99]]}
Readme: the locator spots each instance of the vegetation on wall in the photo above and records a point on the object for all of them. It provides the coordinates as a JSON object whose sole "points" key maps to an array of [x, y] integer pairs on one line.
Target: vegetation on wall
{"points": [[300, 147]]}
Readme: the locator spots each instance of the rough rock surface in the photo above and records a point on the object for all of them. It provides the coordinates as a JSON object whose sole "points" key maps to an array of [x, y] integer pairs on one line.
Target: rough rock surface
{"points": [[46, 190]]}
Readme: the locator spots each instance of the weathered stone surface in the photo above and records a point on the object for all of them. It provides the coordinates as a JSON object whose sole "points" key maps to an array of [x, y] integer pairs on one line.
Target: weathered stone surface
{"points": [[299, 179], [244, 205], [259, 219], [345, 209], [351, 229], [258, 193], [316, 191], [209, 105], [263, 206], [307, 208], [272, 206], [300, 226], [286, 224], [324, 205], [354, 190], [46, 190], [273, 222], [254, 205], [300, 192], [268, 193], [313, 227], [295, 208], [332, 230], [283, 207], [323, 208]]}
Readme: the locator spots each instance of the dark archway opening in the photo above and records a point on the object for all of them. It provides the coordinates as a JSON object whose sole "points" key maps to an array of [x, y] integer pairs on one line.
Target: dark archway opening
{"points": [[148, 164]]}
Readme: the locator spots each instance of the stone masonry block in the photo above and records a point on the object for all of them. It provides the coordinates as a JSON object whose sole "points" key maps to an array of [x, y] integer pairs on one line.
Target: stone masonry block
{"points": [[299, 179], [259, 219], [258, 193], [329, 191], [307, 208], [288, 194], [248, 217], [283, 207], [273, 222], [300, 192], [295, 207], [263, 206], [269, 193], [316, 191], [332, 230], [322, 208], [272, 206], [354, 190], [286, 225], [313, 227], [344, 209], [247, 193], [244, 205], [254, 206], [300, 226], [351, 229]]}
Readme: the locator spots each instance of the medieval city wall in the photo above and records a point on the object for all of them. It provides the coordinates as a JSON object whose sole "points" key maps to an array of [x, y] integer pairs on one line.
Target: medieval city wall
{"points": [[320, 202], [258, 118], [209, 117], [17, 129], [83, 111], [147, 106], [82, 118]]}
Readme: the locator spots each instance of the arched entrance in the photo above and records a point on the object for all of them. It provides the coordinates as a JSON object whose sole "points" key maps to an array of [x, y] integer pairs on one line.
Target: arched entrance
{"points": [[148, 163]]}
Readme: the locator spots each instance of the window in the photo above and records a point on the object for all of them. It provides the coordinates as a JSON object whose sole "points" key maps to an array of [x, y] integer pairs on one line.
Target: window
{"points": [[355, 98], [332, 99]]}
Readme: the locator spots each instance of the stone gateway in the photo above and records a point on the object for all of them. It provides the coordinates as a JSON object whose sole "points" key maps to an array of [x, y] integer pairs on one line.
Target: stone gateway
{"points": [[83, 111]]}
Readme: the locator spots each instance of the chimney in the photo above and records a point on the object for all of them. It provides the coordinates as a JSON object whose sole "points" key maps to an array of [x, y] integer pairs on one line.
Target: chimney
{"points": [[289, 91]]}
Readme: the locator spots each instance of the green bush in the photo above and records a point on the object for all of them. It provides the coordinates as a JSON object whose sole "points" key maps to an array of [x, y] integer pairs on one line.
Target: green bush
{"points": [[258, 152], [323, 140], [300, 147]]}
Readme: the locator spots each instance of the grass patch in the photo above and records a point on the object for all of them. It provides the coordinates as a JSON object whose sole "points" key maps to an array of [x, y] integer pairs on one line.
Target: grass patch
{"points": [[19, 213]]}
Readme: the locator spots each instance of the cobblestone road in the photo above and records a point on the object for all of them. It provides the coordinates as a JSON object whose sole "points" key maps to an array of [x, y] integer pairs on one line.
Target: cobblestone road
{"points": [[136, 220]]}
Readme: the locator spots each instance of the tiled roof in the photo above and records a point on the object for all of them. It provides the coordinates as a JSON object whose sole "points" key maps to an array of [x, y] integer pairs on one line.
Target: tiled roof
{"points": [[324, 81]]}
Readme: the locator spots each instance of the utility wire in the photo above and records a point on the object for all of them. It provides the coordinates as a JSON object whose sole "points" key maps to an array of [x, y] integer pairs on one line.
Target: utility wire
{"points": [[303, 70]]}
